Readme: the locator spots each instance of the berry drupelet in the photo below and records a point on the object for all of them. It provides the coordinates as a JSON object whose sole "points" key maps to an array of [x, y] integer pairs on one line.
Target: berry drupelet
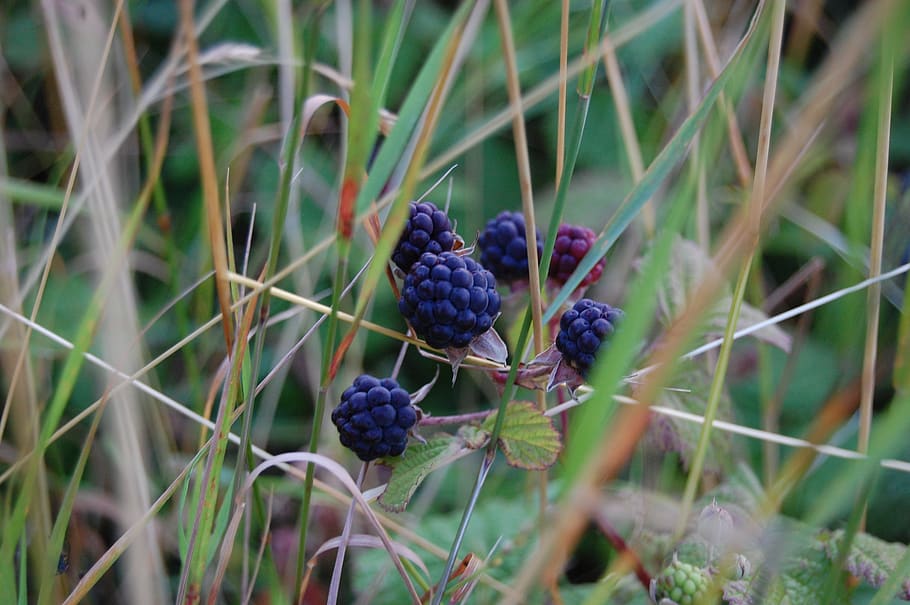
{"points": [[572, 244], [504, 249], [449, 299], [582, 331], [428, 229], [374, 417]]}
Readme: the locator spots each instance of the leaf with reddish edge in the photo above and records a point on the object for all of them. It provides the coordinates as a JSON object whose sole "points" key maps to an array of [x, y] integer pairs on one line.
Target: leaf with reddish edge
{"points": [[528, 438]]}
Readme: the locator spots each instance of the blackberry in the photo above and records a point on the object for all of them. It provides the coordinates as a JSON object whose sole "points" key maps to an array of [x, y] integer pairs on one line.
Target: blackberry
{"points": [[572, 244], [374, 417], [504, 248], [428, 229], [582, 331], [449, 299], [680, 583]]}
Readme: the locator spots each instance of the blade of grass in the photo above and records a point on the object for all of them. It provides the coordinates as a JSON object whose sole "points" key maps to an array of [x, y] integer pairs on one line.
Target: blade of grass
{"points": [[885, 81], [667, 159], [755, 205], [520, 136], [587, 443], [58, 533], [596, 28], [202, 129], [206, 490], [14, 526], [368, 97], [563, 85]]}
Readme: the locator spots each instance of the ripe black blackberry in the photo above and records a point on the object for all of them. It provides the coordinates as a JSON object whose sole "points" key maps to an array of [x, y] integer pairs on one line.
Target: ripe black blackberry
{"points": [[428, 229], [504, 248], [572, 244], [374, 417], [449, 299], [582, 331]]}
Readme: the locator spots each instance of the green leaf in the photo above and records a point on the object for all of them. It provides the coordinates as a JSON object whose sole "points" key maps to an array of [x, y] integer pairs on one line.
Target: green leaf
{"points": [[870, 558], [411, 468], [528, 438], [690, 394], [669, 157], [503, 527], [690, 265], [802, 580]]}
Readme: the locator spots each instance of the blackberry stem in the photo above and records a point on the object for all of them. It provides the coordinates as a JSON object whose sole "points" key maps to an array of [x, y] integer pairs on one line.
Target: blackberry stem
{"points": [[455, 419], [624, 550]]}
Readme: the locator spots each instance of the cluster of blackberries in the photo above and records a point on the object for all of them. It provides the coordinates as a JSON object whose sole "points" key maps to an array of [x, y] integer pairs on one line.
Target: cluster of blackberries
{"points": [[451, 302], [503, 250], [374, 417]]}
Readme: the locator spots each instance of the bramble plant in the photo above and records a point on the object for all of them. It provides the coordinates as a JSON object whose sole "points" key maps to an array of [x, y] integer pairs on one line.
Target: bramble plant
{"points": [[656, 251]]}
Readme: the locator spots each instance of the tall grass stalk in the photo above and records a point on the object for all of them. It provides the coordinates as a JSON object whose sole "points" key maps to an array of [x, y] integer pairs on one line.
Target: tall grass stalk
{"points": [[885, 79], [755, 205]]}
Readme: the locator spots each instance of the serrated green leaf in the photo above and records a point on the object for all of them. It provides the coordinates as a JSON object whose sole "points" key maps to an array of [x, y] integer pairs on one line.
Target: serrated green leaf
{"points": [[689, 266], [870, 558], [411, 468], [801, 579], [528, 438]]}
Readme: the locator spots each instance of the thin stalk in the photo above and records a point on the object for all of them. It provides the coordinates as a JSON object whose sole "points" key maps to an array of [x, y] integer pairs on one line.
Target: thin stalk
{"points": [[873, 295], [737, 147], [485, 466], [627, 126], [596, 30], [207, 171], [310, 45], [206, 491], [563, 85], [455, 419], [289, 165], [756, 204], [335, 583], [171, 252], [714, 396], [585, 88], [837, 572], [696, 166], [527, 202], [319, 411], [524, 166]]}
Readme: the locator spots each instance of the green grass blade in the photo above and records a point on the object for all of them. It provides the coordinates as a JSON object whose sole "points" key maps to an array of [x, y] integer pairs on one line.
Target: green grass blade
{"points": [[591, 420], [670, 156], [58, 533], [409, 116], [14, 526]]}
